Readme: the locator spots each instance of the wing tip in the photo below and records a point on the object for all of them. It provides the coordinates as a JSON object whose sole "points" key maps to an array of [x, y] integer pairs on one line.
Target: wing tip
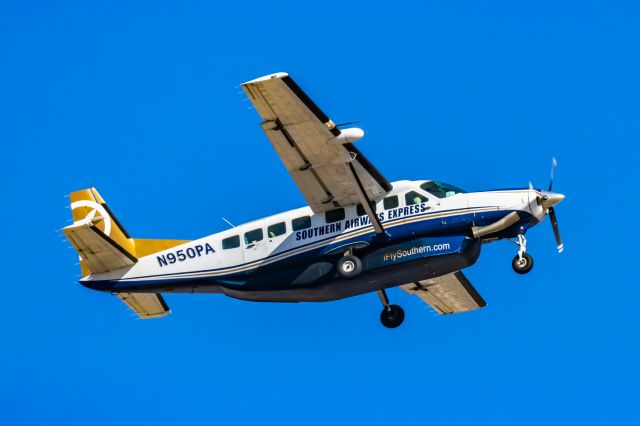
{"points": [[267, 77]]}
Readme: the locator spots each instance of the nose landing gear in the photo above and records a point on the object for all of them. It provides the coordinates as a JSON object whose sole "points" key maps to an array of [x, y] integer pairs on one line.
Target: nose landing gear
{"points": [[392, 315], [522, 263]]}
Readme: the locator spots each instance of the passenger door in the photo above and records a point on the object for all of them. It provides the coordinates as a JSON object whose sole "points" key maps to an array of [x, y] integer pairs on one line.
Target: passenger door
{"points": [[254, 245]]}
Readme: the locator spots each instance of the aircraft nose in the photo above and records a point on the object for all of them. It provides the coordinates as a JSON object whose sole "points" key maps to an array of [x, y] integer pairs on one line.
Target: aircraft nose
{"points": [[550, 199]]}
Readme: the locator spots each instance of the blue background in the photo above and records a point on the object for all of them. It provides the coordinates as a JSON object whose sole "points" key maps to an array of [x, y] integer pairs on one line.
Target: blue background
{"points": [[143, 102]]}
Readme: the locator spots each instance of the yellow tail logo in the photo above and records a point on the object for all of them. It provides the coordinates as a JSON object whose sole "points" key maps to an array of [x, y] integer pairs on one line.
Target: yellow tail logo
{"points": [[88, 206]]}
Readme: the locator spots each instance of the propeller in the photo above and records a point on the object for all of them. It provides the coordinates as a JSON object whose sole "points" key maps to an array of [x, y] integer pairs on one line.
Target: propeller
{"points": [[549, 199], [556, 230], [554, 163]]}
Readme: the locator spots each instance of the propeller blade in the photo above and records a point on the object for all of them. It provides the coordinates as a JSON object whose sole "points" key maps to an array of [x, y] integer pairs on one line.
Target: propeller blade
{"points": [[556, 230], [554, 163]]}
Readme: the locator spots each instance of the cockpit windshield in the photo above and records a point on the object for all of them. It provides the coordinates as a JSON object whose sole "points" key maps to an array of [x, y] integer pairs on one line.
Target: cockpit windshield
{"points": [[441, 189]]}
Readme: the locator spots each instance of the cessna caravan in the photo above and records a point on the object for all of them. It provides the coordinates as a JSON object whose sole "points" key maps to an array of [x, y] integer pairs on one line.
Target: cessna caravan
{"points": [[359, 232]]}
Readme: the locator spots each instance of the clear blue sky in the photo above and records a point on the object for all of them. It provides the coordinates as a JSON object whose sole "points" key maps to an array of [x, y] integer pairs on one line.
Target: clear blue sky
{"points": [[142, 102]]}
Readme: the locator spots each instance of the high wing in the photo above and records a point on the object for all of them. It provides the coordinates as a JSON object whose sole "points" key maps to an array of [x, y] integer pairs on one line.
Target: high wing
{"points": [[448, 294], [329, 170]]}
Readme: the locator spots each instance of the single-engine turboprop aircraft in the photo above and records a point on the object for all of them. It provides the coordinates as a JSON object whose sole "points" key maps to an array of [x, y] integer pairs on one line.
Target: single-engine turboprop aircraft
{"points": [[359, 234]]}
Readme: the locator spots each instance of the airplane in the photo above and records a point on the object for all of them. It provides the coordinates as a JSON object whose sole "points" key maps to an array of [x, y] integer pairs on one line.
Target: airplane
{"points": [[359, 233]]}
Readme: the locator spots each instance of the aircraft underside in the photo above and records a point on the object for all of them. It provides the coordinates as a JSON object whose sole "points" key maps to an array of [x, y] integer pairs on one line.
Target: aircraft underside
{"points": [[287, 284], [368, 281]]}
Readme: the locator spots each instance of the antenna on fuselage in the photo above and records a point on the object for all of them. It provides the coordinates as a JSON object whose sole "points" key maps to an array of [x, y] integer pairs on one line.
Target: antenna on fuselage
{"points": [[230, 224]]}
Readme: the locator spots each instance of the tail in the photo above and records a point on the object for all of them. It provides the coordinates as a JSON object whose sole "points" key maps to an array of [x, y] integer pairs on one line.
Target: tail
{"points": [[104, 245], [100, 239]]}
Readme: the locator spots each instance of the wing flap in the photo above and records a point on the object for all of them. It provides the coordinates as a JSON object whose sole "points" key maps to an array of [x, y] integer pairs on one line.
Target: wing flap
{"points": [[448, 294], [101, 253], [146, 305]]}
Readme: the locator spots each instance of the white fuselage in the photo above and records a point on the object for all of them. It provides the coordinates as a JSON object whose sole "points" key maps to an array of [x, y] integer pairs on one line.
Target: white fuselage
{"points": [[209, 258]]}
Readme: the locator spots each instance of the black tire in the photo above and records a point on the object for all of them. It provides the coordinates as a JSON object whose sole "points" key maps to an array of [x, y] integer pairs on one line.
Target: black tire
{"points": [[349, 266], [522, 266], [392, 316]]}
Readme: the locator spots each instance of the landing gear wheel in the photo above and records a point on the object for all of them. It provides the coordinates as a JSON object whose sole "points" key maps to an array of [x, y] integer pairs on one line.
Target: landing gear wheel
{"points": [[524, 265], [349, 266], [392, 316]]}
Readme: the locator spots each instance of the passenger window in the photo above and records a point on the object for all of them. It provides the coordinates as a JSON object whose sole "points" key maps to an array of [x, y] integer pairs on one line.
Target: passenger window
{"points": [[253, 236], [334, 215], [231, 242], [301, 223], [390, 202], [276, 230], [360, 209], [413, 197]]}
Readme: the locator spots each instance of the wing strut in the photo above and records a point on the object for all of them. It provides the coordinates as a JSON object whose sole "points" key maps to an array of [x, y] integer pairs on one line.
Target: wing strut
{"points": [[366, 203]]}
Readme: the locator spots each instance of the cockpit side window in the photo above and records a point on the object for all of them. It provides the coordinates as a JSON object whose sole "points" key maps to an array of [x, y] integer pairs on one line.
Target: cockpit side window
{"points": [[441, 189], [412, 197]]}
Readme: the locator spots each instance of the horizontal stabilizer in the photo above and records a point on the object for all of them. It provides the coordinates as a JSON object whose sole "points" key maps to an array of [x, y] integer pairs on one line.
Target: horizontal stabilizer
{"points": [[146, 305], [448, 294], [97, 249], [100, 239]]}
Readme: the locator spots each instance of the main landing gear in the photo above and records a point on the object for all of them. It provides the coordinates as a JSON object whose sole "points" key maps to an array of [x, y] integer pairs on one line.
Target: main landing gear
{"points": [[349, 266], [522, 263], [392, 315]]}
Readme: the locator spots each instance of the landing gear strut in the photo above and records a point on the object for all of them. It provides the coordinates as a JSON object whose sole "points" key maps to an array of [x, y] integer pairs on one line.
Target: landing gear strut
{"points": [[392, 315], [522, 263]]}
